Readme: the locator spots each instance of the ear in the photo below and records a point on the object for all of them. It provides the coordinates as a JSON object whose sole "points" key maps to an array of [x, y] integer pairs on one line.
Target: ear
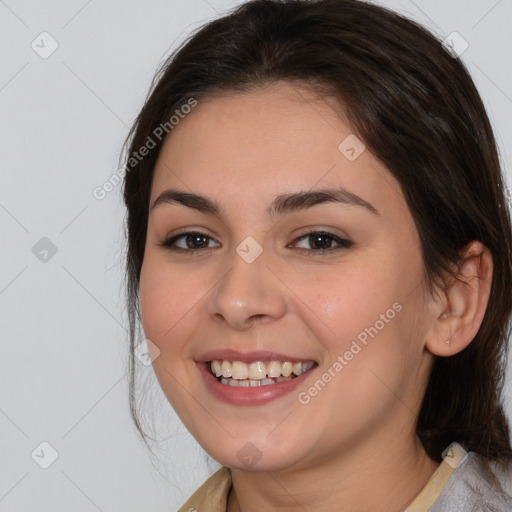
{"points": [[458, 313]]}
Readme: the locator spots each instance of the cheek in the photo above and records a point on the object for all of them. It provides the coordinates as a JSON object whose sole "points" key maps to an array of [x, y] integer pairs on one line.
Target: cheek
{"points": [[369, 312], [165, 299], [347, 300]]}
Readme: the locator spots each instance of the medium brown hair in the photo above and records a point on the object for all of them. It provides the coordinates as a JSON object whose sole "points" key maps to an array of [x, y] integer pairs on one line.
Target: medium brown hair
{"points": [[417, 110]]}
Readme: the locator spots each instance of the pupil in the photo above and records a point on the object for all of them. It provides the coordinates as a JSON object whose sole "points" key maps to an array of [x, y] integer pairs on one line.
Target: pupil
{"points": [[196, 241], [320, 241]]}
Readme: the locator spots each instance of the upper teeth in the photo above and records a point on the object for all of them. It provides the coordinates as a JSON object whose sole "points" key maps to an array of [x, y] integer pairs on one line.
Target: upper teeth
{"points": [[258, 369]]}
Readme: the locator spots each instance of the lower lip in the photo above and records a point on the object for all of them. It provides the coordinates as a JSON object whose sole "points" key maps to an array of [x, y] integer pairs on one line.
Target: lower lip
{"points": [[257, 395]]}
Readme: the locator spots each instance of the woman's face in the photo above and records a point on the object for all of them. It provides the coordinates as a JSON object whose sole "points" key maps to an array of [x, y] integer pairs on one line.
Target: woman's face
{"points": [[306, 253]]}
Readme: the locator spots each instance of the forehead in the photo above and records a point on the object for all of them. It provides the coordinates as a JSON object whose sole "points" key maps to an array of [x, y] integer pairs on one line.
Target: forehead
{"points": [[269, 141]]}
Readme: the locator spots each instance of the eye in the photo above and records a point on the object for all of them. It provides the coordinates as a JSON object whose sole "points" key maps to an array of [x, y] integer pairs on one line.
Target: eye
{"points": [[187, 242], [318, 242], [322, 242]]}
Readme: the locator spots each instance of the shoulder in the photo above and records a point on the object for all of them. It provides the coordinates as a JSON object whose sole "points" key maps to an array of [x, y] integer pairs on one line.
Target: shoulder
{"points": [[472, 488]]}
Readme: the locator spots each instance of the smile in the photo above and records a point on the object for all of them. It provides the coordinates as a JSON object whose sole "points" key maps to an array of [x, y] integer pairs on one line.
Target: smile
{"points": [[258, 373]]}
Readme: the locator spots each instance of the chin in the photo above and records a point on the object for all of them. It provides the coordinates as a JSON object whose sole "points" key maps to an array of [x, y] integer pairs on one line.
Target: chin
{"points": [[259, 453]]}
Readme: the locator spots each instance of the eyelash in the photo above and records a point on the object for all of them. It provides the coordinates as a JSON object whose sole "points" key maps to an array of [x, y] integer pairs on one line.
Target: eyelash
{"points": [[343, 243]]}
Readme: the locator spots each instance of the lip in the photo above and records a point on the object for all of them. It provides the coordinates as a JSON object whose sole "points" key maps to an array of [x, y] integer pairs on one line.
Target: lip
{"points": [[258, 395], [248, 357]]}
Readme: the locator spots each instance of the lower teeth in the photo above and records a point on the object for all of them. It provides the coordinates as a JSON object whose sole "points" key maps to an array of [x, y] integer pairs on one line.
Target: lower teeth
{"points": [[246, 383]]}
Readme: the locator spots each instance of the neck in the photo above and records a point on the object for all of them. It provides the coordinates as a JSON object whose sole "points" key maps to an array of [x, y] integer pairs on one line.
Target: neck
{"points": [[374, 480]]}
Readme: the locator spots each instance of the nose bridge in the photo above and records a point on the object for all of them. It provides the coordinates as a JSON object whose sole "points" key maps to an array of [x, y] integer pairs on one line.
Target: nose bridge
{"points": [[248, 290]]}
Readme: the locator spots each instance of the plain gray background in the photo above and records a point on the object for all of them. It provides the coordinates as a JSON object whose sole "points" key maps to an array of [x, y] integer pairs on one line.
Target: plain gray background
{"points": [[63, 119]]}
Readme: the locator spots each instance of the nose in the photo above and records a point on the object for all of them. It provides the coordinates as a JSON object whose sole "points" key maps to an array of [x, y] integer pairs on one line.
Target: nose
{"points": [[248, 293]]}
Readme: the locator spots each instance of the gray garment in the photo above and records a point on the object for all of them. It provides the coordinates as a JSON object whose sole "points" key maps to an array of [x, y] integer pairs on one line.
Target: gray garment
{"points": [[468, 490]]}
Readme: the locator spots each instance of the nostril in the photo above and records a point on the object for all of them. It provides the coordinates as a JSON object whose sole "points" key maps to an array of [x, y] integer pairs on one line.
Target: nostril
{"points": [[255, 319]]}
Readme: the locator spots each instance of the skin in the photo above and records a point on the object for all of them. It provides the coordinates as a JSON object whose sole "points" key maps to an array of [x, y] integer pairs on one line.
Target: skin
{"points": [[354, 444]]}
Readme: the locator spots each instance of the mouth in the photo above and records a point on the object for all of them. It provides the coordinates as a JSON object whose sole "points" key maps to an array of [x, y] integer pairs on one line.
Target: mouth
{"points": [[252, 378], [257, 373]]}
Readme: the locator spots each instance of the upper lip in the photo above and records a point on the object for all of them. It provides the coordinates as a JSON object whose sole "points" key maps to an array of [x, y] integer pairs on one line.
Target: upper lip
{"points": [[229, 354]]}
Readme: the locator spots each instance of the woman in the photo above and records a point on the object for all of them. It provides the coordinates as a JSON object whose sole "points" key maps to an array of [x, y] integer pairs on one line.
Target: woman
{"points": [[319, 253]]}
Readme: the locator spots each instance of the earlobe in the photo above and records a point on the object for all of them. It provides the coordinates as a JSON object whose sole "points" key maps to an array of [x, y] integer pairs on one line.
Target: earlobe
{"points": [[458, 316]]}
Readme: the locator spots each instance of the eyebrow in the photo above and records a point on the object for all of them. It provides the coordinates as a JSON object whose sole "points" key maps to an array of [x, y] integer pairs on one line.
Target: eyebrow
{"points": [[282, 204]]}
